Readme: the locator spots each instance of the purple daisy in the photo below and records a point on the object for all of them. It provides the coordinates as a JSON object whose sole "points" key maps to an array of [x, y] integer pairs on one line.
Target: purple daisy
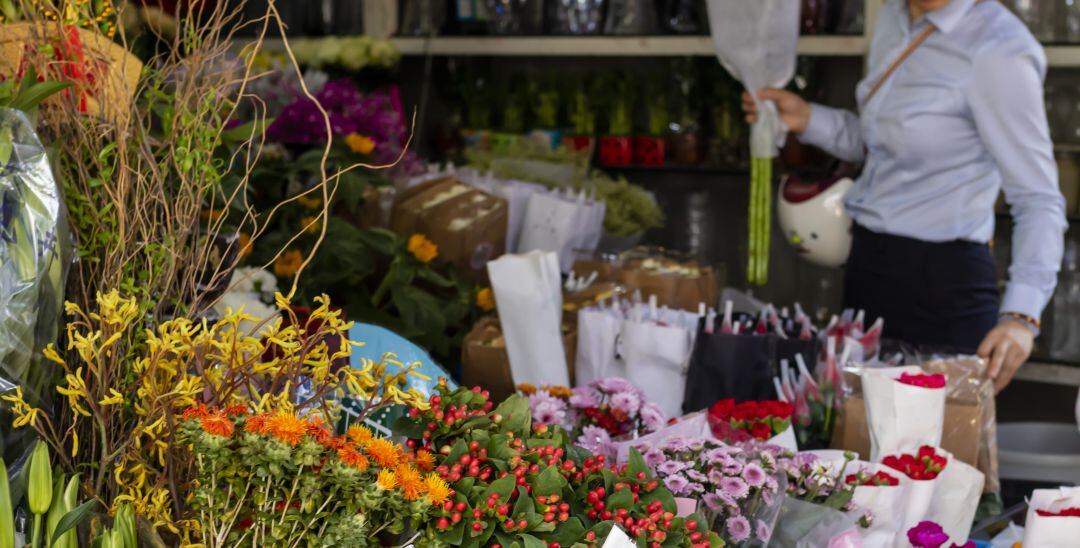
{"points": [[677, 484], [628, 402], [613, 385], [764, 532], [652, 416], [697, 476], [583, 398], [738, 528], [735, 487], [670, 467], [754, 475], [654, 458], [712, 501], [595, 439]]}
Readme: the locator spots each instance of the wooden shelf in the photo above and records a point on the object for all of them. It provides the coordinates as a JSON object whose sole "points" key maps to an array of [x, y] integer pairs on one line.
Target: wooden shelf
{"points": [[606, 46]]}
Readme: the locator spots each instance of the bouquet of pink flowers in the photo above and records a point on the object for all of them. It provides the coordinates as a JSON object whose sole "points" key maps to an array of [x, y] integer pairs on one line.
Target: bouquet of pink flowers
{"points": [[741, 488], [596, 414]]}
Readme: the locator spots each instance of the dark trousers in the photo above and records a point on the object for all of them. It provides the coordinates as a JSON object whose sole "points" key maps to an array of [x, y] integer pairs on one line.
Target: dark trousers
{"points": [[939, 296]]}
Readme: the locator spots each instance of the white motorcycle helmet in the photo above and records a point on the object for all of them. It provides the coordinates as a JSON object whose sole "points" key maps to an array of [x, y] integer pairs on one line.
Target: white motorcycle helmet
{"points": [[813, 219]]}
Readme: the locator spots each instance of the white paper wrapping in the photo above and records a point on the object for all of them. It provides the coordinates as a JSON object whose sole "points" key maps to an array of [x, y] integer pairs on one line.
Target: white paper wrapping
{"points": [[528, 294], [598, 330], [657, 358], [1052, 531], [901, 417]]}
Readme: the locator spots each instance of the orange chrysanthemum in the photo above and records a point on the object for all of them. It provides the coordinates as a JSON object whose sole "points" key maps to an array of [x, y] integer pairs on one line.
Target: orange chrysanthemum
{"points": [[412, 483], [425, 460], [526, 388], [560, 392], [236, 409], [316, 429], [387, 480], [438, 491], [384, 452], [195, 412], [286, 428], [359, 434], [256, 424], [217, 424], [352, 457]]}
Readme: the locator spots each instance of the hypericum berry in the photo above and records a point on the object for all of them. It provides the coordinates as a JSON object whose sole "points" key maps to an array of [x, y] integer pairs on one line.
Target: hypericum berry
{"points": [[691, 525], [522, 524], [477, 526], [695, 537], [460, 507], [641, 476], [549, 517], [474, 445], [443, 523], [590, 536], [503, 509], [508, 524], [477, 513], [455, 518]]}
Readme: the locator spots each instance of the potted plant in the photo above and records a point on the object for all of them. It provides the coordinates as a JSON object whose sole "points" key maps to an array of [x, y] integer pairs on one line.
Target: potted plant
{"points": [[579, 110], [545, 111], [649, 148], [512, 125]]}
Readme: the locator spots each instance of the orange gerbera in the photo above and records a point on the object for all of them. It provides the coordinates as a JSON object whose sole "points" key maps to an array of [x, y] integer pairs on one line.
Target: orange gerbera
{"points": [[256, 424], [236, 409], [425, 460], [422, 248], [359, 434], [412, 483], [286, 428], [387, 480], [526, 388], [352, 457], [217, 424], [197, 411], [438, 491], [485, 299], [384, 452]]}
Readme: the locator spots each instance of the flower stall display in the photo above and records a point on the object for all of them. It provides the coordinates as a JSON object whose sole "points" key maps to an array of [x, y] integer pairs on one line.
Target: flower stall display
{"points": [[905, 409], [768, 421], [817, 398], [1053, 518], [739, 489], [519, 482], [599, 415], [940, 488]]}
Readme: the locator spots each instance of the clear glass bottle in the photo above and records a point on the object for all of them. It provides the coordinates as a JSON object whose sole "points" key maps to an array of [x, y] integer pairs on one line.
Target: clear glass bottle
{"points": [[1064, 344]]}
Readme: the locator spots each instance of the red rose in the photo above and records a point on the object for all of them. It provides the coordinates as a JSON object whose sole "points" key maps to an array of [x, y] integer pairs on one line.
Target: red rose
{"points": [[761, 431], [745, 411], [722, 409], [782, 410]]}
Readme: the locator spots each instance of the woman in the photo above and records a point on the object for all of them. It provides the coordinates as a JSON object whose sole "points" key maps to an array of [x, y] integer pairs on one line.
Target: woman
{"points": [[958, 116]]}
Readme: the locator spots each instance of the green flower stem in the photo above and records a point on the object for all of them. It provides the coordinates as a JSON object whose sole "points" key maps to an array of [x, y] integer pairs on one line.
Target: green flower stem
{"points": [[36, 539]]}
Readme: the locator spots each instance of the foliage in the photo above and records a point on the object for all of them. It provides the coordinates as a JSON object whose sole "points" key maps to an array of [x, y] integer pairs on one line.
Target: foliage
{"points": [[351, 53], [520, 485], [51, 498], [273, 478]]}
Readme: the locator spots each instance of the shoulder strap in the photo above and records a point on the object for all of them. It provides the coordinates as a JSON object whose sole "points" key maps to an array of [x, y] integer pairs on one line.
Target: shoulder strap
{"points": [[918, 41], [900, 60]]}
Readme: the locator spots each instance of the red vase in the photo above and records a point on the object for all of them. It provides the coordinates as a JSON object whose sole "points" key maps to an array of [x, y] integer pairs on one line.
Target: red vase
{"points": [[616, 151], [648, 151]]}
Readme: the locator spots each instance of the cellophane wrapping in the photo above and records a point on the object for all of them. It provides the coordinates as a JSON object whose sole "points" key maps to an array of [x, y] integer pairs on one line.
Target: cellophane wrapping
{"points": [[35, 252]]}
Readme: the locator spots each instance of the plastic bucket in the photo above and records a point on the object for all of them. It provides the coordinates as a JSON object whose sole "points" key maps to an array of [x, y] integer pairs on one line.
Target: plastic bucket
{"points": [[1039, 451]]}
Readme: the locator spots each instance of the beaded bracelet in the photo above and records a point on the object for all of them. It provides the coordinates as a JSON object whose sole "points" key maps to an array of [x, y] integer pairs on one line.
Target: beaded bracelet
{"points": [[1032, 323]]}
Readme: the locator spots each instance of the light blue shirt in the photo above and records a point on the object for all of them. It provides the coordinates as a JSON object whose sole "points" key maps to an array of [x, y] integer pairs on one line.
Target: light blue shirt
{"points": [[960, 120]]}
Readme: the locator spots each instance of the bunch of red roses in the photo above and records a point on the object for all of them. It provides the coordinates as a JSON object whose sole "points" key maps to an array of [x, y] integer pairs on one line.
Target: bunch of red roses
{"points": [[936, 380], [879, 479], [761, 420], [1073, 512], [927, 464]]}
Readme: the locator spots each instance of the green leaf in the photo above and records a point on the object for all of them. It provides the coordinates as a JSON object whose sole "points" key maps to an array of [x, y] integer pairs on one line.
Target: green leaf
{"points": [[578, 454], [503, 486], [524, 504], [549, 482], [434, 277], [623, 499], [380, 239], [515, 415], [570, 532], [29, 98], [7, 145], [73, 518], [533, 542], [636, 464], [404, 426]]}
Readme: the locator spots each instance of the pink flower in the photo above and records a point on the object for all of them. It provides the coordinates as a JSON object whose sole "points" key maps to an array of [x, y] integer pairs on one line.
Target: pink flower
{"points": [[595, 439], [677, 485], [583, 398], [735, 487], [652, 416], [628, 402], [613, 385], [764, 532], [927, 534], [754, 475], [738, 528]]}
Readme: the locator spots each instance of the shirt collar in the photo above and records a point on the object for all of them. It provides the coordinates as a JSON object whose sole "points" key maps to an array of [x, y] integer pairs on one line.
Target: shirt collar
{"points": [[944, 19]]}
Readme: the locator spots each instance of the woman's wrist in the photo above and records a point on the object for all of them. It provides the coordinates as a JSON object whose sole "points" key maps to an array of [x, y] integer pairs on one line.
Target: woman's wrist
{"points": [[1027, 321]]}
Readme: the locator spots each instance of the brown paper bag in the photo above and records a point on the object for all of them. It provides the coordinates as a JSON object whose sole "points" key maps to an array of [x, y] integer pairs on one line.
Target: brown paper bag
{"points": [[467, 224], [485, 363], [675, 290]]}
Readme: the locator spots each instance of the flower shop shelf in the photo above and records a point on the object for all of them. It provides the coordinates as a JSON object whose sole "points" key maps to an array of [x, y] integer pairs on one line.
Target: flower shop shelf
{"points": [[605, 46]]}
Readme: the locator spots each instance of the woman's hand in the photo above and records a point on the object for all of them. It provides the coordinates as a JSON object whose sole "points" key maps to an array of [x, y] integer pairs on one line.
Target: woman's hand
{"points": [[794, 111], [1007, 346]]}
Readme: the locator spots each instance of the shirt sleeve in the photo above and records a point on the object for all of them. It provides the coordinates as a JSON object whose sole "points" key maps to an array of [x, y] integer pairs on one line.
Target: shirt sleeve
{"points": [[1006, 99], [835, 131]]}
